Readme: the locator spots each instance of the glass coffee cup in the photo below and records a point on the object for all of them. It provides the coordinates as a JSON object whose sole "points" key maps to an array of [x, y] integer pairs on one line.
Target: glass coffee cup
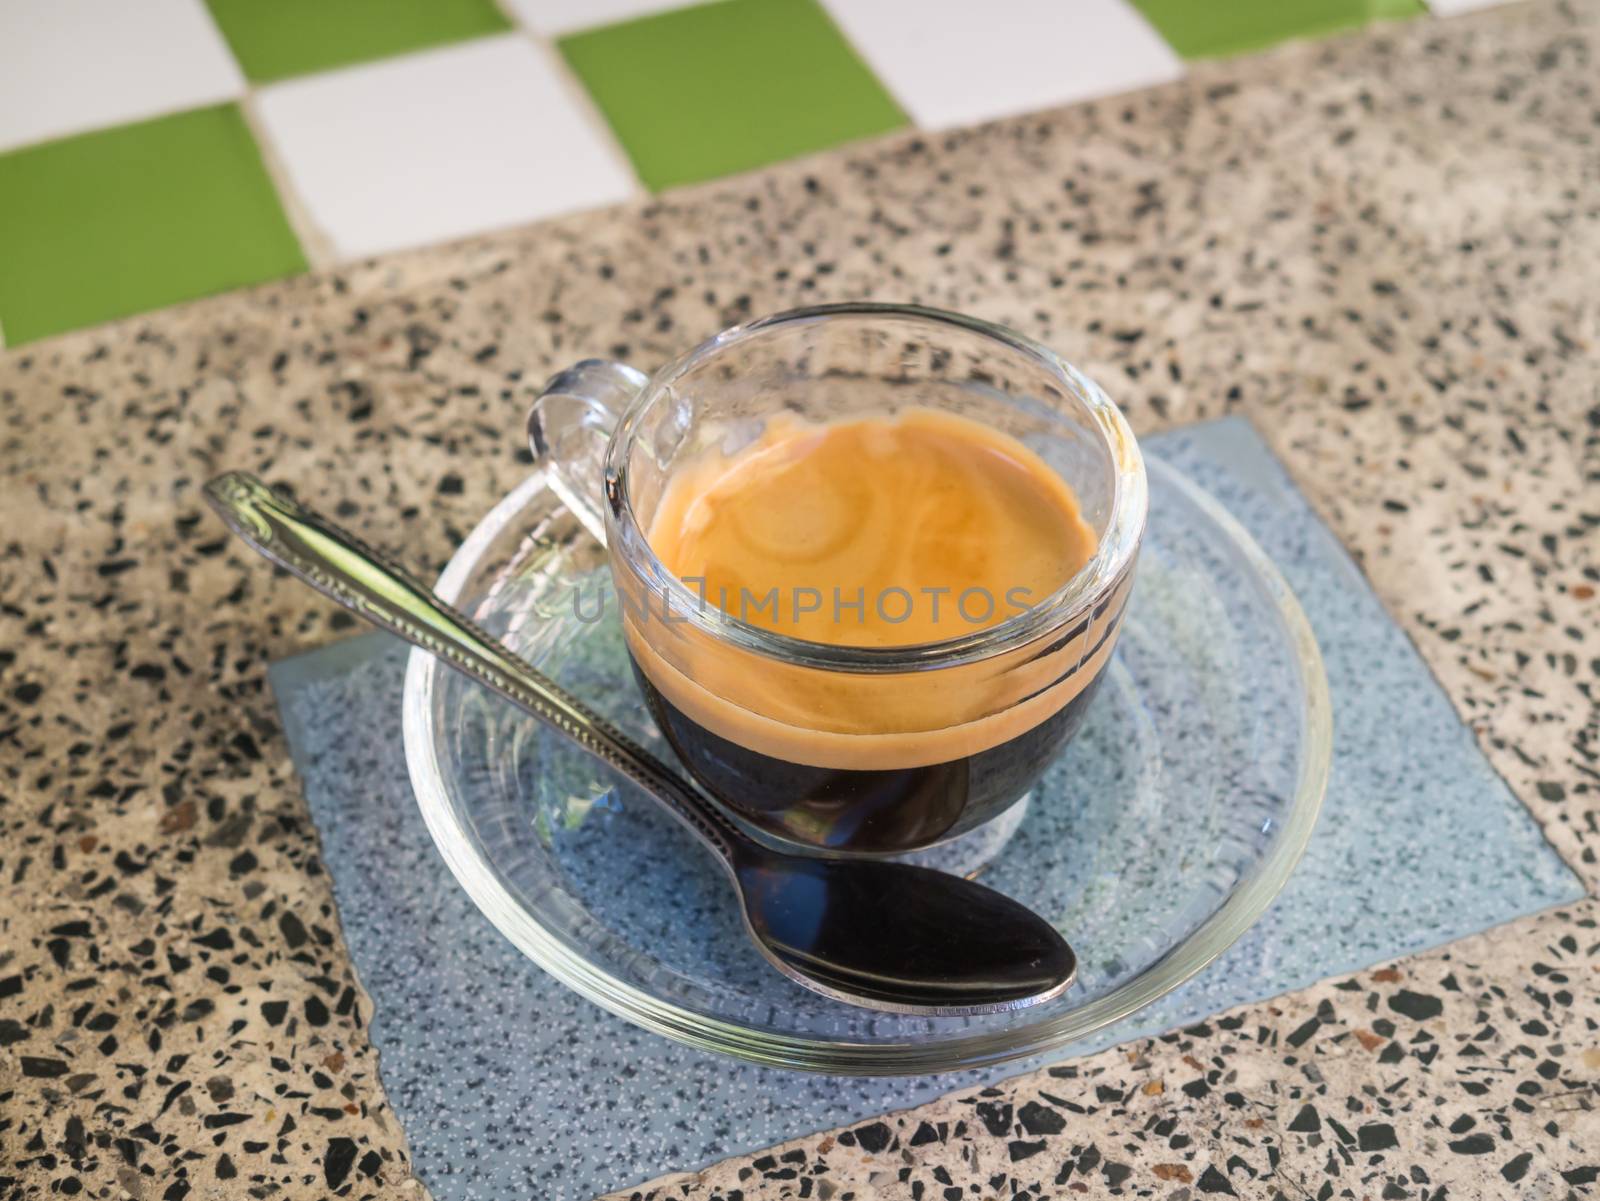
{"points": [[820, 745]]}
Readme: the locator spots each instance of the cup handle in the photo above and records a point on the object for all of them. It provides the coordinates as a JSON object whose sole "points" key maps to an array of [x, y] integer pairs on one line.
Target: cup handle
{"points": [[569, 428]]}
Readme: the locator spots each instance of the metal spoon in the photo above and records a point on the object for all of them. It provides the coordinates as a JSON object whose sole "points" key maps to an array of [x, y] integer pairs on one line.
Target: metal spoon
{"points": [[873, 933]]}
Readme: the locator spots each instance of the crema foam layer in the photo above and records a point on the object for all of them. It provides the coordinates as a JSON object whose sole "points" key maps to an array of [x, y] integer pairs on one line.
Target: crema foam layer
{"points": [[937, 525]]}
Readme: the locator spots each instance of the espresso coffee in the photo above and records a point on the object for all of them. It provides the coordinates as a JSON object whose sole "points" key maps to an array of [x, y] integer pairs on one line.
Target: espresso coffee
{"points": [[926, 506], [873, 532]]}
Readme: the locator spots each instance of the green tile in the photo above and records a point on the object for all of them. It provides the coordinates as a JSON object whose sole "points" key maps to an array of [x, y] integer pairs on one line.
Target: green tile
{"points": [[699, 92], [1212, 30], [274, 39], [129, 219]]}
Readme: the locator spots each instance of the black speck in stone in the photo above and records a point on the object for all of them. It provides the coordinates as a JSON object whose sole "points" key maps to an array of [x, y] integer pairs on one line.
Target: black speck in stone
{"points": [[316, 1011], [874, 1137], [292, 929], [1304, 1031], [1039, 1119], [1473, 1144], [1516, 1167], [1417, 1006], [1376, 1136], [75, 1141], [173, 1093], [341, 1154], [231, 832], [423, 341], [273, 1011], [450, 484], [1024, 1150], [924, 1133], [1213, 1181], [995, 1118]]}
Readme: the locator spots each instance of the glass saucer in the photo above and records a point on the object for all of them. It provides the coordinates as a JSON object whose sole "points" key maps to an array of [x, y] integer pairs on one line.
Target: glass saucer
{"points": [[1153, 840]]}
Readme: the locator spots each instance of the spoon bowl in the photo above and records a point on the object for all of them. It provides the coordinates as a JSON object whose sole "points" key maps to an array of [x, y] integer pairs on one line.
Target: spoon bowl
{"points": [[907, 940]]}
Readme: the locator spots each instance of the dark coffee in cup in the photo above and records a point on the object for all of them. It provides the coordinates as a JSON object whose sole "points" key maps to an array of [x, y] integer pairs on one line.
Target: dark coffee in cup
{"points": [[880, 810], [892, 531]]}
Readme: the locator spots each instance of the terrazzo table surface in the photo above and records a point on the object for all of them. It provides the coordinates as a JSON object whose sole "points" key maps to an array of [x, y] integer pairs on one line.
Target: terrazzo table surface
{"points": [[1379, 249]]}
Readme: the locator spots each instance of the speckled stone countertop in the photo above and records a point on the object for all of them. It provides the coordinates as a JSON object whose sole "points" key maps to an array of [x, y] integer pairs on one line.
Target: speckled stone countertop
{"points": [[1381, 249]]}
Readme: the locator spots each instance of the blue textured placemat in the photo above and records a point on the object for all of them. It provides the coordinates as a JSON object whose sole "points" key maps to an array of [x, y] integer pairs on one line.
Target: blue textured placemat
{"points": [[509, 1085]]}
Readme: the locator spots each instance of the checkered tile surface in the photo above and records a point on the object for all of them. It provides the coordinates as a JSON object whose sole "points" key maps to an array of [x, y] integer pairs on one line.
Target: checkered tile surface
{"points": [[157, 151]]}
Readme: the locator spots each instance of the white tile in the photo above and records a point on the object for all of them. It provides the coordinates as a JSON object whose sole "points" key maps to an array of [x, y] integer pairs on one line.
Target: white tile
{"points": [[952, 62], [439, 145], [555, 17], [67, 66], [1449, 8]]}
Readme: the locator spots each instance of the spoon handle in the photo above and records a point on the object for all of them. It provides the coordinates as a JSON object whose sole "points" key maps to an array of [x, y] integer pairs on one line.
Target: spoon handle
{"points": [[341, 566]]}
